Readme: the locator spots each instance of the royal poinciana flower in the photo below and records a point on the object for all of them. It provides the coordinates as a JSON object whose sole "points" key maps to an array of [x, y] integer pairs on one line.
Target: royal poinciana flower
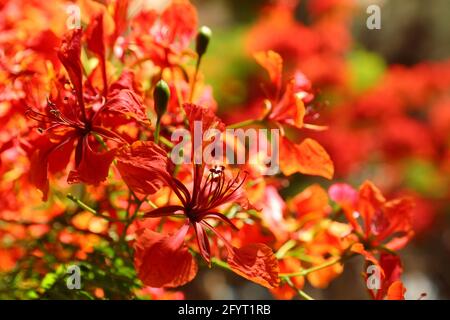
{"points": [[79, 116], [324, 39], [164, 37], [286, 110], [379, 224], [164, 260], [86, 106]]}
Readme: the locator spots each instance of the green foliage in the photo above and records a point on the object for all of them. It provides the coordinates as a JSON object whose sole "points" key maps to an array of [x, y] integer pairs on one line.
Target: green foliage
{"points": [[366, 69], [229, 83], [423, 177]]}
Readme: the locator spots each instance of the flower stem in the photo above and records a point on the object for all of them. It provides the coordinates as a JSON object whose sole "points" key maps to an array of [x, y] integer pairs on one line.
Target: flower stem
{"points": [[166, 141], [194, 80], [305, 272], [221, 264], [300, 292], [84, 206], [81, 204], [285, 249], [157, 129]]}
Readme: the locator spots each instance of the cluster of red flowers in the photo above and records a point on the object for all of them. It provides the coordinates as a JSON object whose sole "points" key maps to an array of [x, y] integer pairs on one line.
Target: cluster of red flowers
{"points": [[87, 115], [394, 130]]}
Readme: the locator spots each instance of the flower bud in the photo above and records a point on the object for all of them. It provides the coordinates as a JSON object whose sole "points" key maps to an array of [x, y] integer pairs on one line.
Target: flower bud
{"points": [[161, 96], [202, 40]]}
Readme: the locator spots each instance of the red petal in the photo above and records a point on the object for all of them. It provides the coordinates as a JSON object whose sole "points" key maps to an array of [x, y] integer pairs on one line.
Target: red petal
{"points": [[398, 212], [285, 292], [164, 261], [370, 201], [126, 104], [96, 44], [208, 120], [49, 155], [69, 54], [311, 203], [125, 81], [143, 166], [120, 17], [396, 291], [38, 171], [94, 36], [180, 22], [255, 262], [308, 157], [94, 166], [203, 242], [46, 43], [60, 156], [207, 117], [392, 271], [165, 211], [291, 108], [273, 63]]}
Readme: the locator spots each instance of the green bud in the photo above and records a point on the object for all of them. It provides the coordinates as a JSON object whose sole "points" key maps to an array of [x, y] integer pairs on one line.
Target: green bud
{"points": [[203, 36], [161, 96]]}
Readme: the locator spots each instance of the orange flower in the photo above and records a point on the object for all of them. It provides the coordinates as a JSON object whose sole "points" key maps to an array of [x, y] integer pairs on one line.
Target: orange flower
{"points": [[288, 111], [379, 224]]}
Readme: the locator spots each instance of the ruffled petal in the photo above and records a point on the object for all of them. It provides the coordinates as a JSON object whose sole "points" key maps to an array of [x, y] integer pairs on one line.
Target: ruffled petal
{"points": [[143, 166], [273, 63], [308, 157], [95, 36], [180, 22], [93, 167], [162, 260], [370, 201], [255, 262], [126, 104], [69, 53]]}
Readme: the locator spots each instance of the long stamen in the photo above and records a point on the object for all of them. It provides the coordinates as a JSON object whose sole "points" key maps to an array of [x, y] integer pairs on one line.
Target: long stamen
{"points": [[55, 116], [40, 117], [219, 186], [218, 216], [210, 227], [183, 189], [203, 188], [227, 194]]}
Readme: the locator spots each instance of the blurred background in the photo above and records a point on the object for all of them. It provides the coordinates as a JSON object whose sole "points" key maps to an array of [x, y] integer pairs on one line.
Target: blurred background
{"points": [[385, 93]]}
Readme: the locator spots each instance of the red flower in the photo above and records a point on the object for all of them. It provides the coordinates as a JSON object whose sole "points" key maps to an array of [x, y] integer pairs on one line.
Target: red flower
{"points": [[164, 37], [143, 167], [377, 222], [66, 120]]}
